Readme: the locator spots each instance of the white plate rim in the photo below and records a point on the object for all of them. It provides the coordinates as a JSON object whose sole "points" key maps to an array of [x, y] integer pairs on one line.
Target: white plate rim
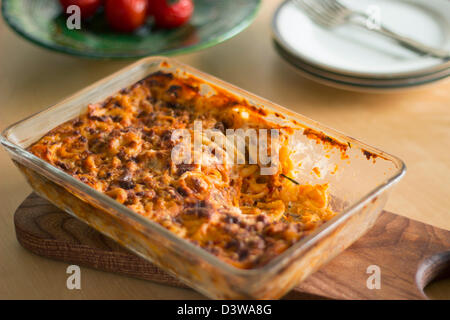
{"points": [[358, 86], [410, 81], [277, 35]]}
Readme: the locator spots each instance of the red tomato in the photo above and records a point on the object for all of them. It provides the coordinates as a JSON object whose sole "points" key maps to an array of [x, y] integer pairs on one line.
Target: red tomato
{"points": [[126, 15], [150, 9], [87, 7], [173, 15]]}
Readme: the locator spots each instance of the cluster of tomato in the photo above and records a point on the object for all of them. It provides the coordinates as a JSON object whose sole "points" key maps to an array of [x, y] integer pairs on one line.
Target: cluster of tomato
{"points": [[128, 15]]}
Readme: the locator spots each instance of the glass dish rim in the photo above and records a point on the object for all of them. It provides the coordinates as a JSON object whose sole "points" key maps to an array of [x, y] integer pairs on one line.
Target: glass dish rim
{"points": [[275, 263]]}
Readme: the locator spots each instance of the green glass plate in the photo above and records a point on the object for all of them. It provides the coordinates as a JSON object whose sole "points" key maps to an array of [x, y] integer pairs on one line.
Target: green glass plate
{"points": [[42, 22]]}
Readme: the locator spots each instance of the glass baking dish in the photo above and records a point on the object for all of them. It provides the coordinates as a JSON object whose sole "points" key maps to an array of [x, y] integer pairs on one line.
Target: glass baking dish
{"points": [[359, 177]]}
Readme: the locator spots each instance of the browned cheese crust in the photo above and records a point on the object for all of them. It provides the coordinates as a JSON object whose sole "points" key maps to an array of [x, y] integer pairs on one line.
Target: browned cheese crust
{"points": [[122, 147]]}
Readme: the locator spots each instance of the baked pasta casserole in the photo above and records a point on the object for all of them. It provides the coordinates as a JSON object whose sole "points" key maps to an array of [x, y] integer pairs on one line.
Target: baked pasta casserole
{"points": [[124, 147]]}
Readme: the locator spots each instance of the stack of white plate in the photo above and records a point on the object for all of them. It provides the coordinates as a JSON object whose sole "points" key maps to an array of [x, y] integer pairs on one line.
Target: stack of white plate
{"points": [[354, 58]]}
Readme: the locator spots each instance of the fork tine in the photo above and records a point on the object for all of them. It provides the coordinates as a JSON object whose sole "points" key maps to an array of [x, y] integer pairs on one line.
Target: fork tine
{"points": [[329, 5], [321, 8], [331, 9], [309, 11], [312, 11], [328, 16], [337, 6]]}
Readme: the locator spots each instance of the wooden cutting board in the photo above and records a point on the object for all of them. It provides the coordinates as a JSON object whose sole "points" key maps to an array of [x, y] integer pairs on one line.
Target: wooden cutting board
{"points": [[409, 254]]}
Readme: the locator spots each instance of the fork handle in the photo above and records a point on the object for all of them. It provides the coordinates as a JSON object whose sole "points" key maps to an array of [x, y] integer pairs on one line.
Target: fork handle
{"points": [[405, 41]]}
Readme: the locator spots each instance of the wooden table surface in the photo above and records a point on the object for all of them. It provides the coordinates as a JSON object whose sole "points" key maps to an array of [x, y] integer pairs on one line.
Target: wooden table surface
{"points": [[413, 124]]}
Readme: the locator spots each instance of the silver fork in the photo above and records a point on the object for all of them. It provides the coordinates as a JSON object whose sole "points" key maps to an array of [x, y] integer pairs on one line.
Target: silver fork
{"points": [[332, 13]]}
